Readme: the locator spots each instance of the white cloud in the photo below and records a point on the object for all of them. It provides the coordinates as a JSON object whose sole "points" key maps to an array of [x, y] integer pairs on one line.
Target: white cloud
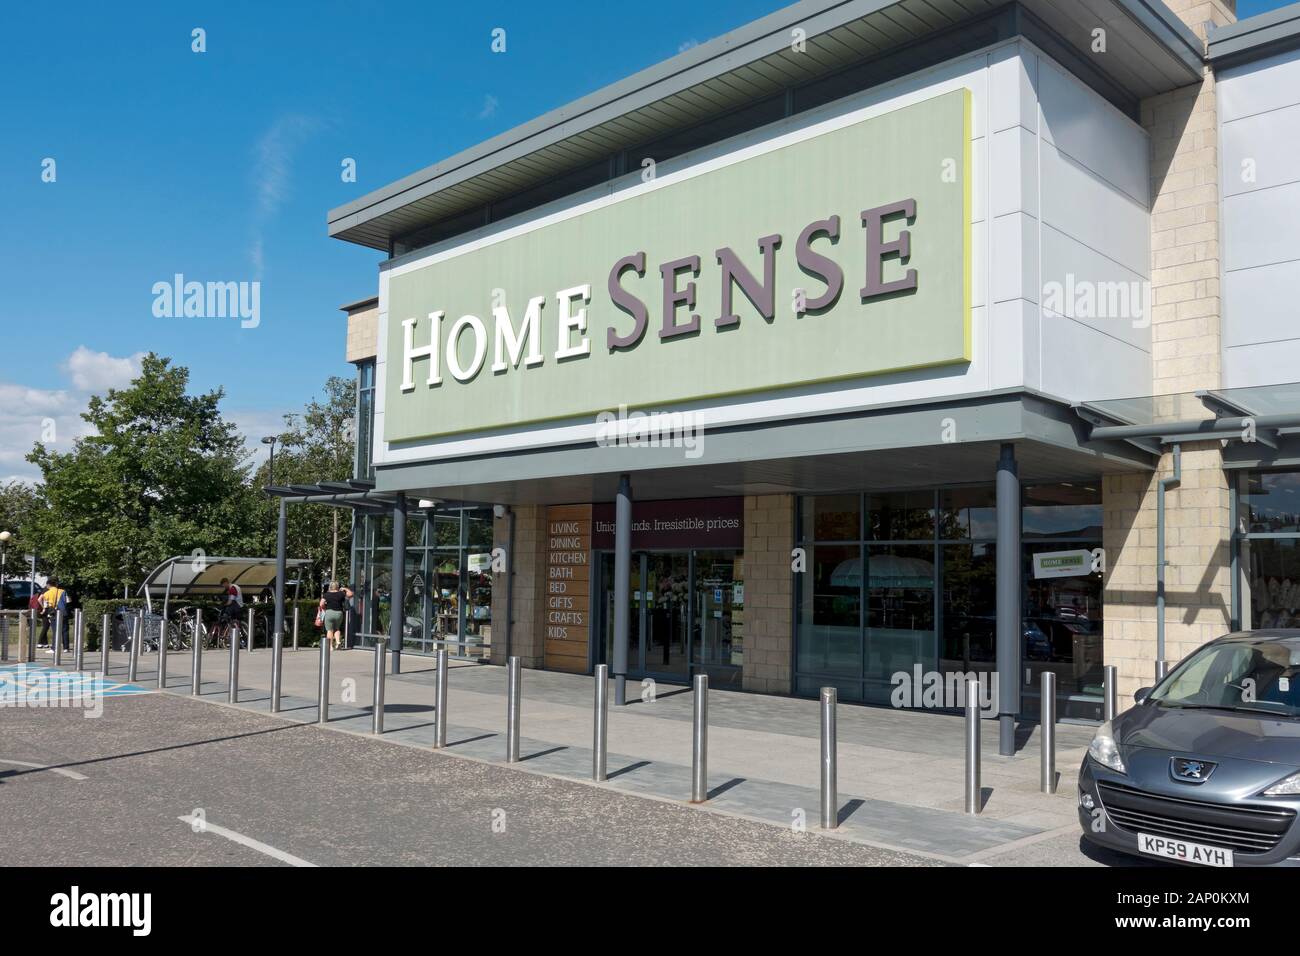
{"points": [[490, 104], [273, 173], [687, 44], [98, 371], [29, 415]]}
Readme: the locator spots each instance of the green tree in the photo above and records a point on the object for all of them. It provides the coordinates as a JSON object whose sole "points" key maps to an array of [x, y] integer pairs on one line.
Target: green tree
{"points": [[163, 473], [19, 505], [317, 445]]}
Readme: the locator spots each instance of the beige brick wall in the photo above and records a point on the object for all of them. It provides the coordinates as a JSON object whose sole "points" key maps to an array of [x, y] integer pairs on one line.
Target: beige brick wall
{"points": [[769, 596], [363, 334], [529, 564], [1186, 355]]}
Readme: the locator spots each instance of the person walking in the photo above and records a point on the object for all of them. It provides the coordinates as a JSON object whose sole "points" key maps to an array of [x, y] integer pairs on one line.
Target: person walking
{"points": [[54, 600], [333, 605]]}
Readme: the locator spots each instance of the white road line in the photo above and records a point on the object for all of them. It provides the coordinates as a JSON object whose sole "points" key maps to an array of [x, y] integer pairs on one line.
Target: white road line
{"points": [[70, 774], [207, 827]]}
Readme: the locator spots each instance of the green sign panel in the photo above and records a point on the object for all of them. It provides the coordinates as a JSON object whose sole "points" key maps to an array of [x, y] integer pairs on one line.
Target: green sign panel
{"points": [[840, 257]]}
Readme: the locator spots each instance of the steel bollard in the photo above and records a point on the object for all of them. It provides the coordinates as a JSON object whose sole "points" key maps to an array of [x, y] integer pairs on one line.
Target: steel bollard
{"points": [[196, 654], [31, 638], [1047, 727], [700, 741], [512, 710], [232, 692], [600, 725], [59, 621], [377, 718], [162, 653], [973, 793], [440, 701], [4, 638], [323, 702], [251, 623], [277, 670], [133, 659], [105, 644], [79, 636], [830, 762], [295, 627], [347, 627], [1110, 692], [1162, 668]]}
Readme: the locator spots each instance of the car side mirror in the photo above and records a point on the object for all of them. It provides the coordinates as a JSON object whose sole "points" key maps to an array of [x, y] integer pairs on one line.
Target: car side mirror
{"points": [[1141, 694]]}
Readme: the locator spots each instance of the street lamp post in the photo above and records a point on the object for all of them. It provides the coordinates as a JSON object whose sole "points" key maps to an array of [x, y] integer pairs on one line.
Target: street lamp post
{"points": [[271, 440], [4, 554]]}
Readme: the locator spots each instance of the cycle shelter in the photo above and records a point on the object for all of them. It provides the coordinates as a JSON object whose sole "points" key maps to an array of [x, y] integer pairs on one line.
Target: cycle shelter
{"points": [[189, 576]]}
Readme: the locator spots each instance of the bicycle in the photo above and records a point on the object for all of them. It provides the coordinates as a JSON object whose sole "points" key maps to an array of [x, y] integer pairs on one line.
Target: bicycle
{"points": [[224, 628]]}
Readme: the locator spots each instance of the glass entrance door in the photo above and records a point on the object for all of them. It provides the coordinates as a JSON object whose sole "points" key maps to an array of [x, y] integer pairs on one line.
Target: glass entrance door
{"points": [[665, 600], [719, 616], [659, 632]]}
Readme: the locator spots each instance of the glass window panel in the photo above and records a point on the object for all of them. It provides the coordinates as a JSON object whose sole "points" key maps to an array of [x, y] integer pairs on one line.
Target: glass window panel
{"points": [[900, 615], [1270, 502], [1064, 510], [900, 516], [968, 513], [1061, 631], [969, 606], [830, 638], [1271, 596], [831, 518]]}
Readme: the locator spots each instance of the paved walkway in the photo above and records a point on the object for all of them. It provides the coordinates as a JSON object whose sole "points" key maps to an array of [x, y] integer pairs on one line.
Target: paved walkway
{"points": [[900, 773]]}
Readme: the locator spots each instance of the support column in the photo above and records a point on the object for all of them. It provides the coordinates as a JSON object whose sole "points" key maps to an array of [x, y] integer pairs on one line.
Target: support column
{"points": [[622, 578], [396, 611], [281, 533], [1008, 599]]}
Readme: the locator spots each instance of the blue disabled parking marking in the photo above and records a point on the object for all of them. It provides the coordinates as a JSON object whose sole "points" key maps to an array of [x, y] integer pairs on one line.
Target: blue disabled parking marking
{"points": [[22, 681]]}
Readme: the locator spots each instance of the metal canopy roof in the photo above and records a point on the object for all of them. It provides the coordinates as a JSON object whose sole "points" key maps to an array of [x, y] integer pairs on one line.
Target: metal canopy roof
{"points": [[187, 575], [1149, 51], [1255, 37], [1266, 418]]}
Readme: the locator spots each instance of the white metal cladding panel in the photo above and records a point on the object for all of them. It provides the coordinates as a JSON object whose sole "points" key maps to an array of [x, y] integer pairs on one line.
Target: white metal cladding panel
{"points": [[1093, 133], [1259, 112], [1093, 177], [1267, 84]]}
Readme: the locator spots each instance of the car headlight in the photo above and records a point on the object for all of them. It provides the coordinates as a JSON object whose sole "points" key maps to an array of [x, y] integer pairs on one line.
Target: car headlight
{"points": [[1283, 788], [1105, 750]]}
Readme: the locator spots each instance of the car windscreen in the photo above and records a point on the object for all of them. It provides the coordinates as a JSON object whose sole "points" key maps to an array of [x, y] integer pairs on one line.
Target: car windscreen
{"points": [[1261, 678]]}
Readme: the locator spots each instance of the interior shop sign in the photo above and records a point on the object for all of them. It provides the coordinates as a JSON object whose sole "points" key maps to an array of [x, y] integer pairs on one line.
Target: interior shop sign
{"points": [[839, 253]]}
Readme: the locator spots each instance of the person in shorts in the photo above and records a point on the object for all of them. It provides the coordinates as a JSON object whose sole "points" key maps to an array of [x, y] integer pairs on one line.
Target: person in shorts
{"points": [[333, 606]]}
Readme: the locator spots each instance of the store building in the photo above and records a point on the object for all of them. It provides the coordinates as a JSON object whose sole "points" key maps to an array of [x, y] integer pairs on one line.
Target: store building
{"points": [[859, 342]]}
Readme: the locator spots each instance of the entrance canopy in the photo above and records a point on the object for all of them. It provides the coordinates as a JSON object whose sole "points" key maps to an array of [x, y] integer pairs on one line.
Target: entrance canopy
{"points": [[189, 575]]}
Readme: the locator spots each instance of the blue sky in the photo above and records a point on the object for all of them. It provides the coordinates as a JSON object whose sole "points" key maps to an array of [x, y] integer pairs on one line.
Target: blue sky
{"points": [[221, 166]]}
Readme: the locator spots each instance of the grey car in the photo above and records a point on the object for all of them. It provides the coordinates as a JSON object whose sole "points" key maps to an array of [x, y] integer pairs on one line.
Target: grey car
{"points": [[1205, 769]]}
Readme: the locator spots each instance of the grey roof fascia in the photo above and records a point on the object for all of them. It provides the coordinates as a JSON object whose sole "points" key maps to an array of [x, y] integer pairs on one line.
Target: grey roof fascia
{"points": [[1255, 37], [690, 68]]}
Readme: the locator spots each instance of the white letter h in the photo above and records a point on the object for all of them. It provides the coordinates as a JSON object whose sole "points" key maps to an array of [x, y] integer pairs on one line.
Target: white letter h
{"points": [[410, 353]]}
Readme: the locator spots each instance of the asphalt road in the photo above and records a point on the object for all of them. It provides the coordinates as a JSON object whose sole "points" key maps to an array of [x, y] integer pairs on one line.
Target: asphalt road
{"points": [[332, 799]]}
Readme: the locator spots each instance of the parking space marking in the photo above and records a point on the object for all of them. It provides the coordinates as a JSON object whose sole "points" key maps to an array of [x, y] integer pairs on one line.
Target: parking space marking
{"points": [[70, 774], [39, 682], [207, 827]]}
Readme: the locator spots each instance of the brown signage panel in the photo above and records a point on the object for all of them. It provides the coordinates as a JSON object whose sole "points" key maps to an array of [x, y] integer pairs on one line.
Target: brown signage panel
{"points": [[566, 604], [682, 524]]}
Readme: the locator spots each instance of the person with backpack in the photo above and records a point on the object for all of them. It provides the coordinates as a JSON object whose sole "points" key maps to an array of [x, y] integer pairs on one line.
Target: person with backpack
{"points": [[54, 599]]}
